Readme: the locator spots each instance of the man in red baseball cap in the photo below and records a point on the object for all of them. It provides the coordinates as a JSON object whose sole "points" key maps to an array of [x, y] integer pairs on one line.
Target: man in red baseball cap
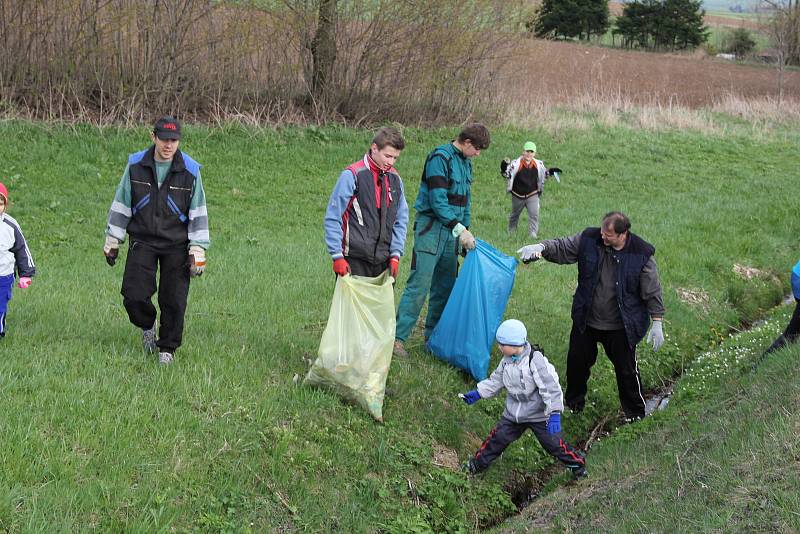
{"points": [[161, 204]]}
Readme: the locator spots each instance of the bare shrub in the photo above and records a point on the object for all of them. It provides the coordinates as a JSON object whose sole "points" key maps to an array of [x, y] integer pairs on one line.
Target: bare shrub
{"points": [[124, 60], [418, 62]]}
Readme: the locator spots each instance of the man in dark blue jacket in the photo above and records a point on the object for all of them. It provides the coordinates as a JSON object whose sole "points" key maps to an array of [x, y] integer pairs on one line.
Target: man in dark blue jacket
{"points": [[618, 294]]}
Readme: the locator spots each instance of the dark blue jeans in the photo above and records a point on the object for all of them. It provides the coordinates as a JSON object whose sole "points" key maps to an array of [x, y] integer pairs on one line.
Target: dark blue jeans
{"points": [[6, 285], [506, 432]]}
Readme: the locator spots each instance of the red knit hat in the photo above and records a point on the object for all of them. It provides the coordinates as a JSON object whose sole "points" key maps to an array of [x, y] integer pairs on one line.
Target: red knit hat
{"points": [[4, 192]]}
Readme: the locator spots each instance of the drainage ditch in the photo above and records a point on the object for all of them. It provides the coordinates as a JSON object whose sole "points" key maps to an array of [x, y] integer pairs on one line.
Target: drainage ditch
{"points": [[525, 488]]}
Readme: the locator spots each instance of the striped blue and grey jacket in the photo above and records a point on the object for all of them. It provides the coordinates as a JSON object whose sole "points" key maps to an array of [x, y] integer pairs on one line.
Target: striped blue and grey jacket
{"points": [[160, 202]]}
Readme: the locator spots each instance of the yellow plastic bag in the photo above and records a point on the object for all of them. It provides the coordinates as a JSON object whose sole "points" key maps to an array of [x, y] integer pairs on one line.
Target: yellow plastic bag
{"points": [[356, 347]]}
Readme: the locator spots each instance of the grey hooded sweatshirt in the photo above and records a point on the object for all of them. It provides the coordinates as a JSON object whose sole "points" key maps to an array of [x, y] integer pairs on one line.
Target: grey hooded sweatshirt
{"points": [[532, 385]]}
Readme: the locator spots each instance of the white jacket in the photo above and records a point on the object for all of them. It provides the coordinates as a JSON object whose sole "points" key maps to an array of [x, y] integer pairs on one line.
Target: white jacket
{"points": [[513, 168], [14, 249]]}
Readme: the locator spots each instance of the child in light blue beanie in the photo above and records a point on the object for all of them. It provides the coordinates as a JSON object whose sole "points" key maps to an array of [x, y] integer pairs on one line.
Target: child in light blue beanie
{"points": [[534, 402]]}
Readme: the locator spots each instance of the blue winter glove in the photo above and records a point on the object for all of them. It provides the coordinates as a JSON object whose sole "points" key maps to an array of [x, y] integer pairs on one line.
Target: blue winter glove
{"points": [[554, 423], [472, 397]]}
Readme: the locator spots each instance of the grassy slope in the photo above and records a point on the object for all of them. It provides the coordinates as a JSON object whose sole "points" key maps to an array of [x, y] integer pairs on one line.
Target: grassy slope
{"points": [[724, 459], [96, 435]]}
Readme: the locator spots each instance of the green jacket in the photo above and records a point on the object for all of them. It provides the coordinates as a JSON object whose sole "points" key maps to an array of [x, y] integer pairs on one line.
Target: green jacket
{"points": [[444, 194]]}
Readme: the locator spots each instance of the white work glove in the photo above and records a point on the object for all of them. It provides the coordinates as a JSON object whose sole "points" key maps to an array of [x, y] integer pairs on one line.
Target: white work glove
{"points": [[656, 335], [465, 237], [197, 261], [530, 253], [111, 249]]}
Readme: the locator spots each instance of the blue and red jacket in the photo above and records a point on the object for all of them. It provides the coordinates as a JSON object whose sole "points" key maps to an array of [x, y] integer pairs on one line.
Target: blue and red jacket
{"points": [[367, 214]]}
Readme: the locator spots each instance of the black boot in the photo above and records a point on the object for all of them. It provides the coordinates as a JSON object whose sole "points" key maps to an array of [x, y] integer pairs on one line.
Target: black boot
{"points": [[779, 343]]}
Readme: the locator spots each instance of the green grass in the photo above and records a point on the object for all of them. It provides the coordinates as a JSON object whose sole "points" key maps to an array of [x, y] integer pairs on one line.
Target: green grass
{"points": [[96, 436], [723, 456]]}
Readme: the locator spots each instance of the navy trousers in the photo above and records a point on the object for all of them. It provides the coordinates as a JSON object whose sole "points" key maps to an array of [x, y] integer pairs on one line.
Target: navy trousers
{"points": [[506, 432]]}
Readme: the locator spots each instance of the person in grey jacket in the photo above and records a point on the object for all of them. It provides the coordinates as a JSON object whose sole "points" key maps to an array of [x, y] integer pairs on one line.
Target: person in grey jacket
{"points": [[534, 401], [617, 297]]}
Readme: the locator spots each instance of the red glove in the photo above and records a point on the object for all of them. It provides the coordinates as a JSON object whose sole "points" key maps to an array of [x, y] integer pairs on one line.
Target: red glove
{"points": [[341, 267], [394, 266]]}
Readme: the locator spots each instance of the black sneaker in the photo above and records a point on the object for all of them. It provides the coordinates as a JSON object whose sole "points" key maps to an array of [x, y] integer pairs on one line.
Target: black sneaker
{"points": [[579, 472], [472, 467]]}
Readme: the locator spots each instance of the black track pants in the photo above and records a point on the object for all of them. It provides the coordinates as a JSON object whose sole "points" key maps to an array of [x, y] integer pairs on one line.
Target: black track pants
{"points": [[139, 285], [583, 354], [791, 334], [506, 432]]}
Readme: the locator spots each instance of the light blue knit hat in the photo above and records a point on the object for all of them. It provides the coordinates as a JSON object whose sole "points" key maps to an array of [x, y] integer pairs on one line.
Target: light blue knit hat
{"points": [[512, 332]]}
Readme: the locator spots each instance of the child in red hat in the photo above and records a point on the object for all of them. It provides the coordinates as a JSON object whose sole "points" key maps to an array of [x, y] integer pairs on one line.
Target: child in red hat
{"points": [[14, 253]]}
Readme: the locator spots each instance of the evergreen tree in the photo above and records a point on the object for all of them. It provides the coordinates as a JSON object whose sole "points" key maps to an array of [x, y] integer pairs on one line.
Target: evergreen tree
{"points": [[571, 18], [662, 24], [687, 29], [740, 43], [637, 22], [593, 15]]}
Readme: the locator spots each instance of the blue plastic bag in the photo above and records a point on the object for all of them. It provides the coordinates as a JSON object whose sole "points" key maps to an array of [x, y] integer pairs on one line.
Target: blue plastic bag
{"points": [[465, 332]]}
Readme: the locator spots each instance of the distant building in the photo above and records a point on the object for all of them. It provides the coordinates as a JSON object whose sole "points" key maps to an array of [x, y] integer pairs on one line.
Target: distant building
{"points": [[770, 55]]}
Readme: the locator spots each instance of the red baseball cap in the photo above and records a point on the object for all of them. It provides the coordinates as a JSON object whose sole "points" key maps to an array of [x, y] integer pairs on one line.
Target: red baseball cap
{"points": [[167, 128], [4, 192]]}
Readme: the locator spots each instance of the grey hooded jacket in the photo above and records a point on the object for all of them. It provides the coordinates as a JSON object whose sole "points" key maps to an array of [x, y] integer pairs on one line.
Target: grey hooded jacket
{"points": [[532, 386]]}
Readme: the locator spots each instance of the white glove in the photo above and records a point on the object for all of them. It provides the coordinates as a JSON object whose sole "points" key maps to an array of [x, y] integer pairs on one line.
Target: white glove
{"points": [[111, 249], [197, 260], [465, 237], [656, 335], [467, 240], [110, 244], [531, 252]]}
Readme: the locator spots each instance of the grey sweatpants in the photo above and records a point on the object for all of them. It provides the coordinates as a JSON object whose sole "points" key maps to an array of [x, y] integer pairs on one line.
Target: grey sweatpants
{"points": [[532, 204]]}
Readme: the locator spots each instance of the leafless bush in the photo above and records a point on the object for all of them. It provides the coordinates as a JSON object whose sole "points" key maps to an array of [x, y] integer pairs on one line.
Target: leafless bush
{"points": [[126, 60]]}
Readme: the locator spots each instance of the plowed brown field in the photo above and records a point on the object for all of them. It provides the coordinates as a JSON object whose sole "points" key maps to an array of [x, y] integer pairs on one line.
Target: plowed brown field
{"points": [[559, 72]]}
